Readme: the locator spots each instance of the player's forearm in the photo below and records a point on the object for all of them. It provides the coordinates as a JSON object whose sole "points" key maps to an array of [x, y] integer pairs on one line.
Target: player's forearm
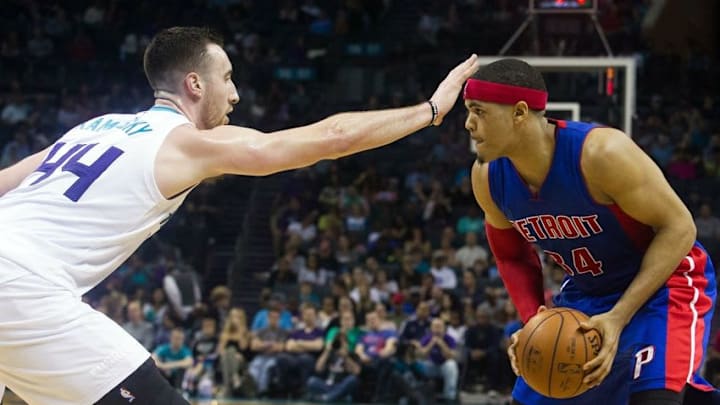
{"points": [[667, 249], [354, 132], [242, 151]]}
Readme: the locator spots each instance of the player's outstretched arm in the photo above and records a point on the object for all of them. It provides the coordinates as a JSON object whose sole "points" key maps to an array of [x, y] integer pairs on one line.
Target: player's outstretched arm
{"points": [[12, 176], [189, 155]]}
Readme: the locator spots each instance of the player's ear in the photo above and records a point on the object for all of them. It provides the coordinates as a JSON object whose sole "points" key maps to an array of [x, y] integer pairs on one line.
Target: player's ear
{"points": [[520, 112], [193, 84]]}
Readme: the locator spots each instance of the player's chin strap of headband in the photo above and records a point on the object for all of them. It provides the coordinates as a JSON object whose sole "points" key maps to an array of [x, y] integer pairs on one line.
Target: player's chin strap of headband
{"points": [[491, 92]]}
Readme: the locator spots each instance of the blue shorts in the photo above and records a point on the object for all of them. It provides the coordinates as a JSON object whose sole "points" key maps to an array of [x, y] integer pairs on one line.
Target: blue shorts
{"points": [[663, 345]]}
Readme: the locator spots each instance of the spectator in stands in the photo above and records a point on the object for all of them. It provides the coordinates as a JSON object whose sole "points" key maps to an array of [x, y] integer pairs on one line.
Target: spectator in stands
{"points": [[471, 291], [457, 328], [174, 358], [471, 222], [16, 150], [138, 327], [444, 276], [156, 308], [183, 291], [439, 350], [447, 245], [708, 227], [282, 280], [327, 312], [326, 257], [345, 255], [417, 244], [418, 326], [347, 328], [470, 252], [267, 344], [337, 371], [16, 110], [283, 216], [220, 298], [204, 351], [438, 207], [302, 348], [409, 277], [164, 329], [307, 295], [448, 302], [344, 304], [381, 312], [482, 341], [356, 223], [375, 349], [234, 350], [683, 165], [305, 229], [205, 343], [275, 303], [312, 273]]}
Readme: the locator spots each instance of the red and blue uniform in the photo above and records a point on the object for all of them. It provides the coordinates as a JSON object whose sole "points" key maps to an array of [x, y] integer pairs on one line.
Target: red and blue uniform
{"points": [[601, 248]]}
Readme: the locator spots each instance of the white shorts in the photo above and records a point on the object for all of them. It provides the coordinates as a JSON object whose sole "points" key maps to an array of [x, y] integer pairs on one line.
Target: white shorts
{"points": [[57, 350]]}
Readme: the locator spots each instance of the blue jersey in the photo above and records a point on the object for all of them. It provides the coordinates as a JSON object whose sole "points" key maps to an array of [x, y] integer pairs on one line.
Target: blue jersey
{"points": [[598, 245], [601, 248]]}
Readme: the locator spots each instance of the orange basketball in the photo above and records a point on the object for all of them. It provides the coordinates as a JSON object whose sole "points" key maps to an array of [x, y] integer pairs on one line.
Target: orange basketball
{"points": [[551, 351]]}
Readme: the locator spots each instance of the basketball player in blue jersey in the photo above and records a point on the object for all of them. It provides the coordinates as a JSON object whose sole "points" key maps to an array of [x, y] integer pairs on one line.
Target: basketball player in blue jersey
{"points": [[594, 203], [72, 213]]}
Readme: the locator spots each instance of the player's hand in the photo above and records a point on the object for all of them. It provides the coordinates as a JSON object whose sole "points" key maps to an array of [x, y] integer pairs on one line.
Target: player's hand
{"points": [[609, 326], [448, 90], [513, 345], [511, 352]]}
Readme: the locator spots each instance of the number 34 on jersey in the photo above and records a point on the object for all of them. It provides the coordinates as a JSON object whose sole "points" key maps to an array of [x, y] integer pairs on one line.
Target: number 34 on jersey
{"points": [[69, 161]]}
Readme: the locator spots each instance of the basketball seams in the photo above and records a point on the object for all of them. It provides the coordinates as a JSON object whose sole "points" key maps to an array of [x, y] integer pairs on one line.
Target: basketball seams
{"points": [[546, 370], [552, 359], [585, 345], [529, 337]]}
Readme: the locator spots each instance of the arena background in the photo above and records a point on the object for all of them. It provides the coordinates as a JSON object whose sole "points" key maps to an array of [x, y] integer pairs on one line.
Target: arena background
{"points": [[373, 227]]}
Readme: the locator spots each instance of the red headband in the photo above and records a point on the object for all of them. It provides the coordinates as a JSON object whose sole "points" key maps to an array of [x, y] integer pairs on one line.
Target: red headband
{"points": [[504, 94]]}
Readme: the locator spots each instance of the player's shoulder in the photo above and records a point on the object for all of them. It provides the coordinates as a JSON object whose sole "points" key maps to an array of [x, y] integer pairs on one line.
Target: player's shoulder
{"points": [[603, 144], [479, 170], [479, 176]]}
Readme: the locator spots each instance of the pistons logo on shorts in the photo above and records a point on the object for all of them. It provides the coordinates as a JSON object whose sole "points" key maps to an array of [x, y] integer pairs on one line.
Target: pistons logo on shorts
{"points": [[127, 394]]}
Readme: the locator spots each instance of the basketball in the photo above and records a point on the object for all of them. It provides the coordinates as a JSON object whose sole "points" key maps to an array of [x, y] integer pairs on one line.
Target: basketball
{"points": [[551, 351]]}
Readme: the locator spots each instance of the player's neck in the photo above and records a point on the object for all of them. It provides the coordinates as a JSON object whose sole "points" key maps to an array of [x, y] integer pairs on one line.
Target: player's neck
{"points": [[534, 157], [170, 100]]}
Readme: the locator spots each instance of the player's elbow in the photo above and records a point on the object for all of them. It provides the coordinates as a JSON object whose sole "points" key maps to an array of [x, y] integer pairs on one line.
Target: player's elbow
{"points": [[339, 138], [685, 233], [691, 233]]}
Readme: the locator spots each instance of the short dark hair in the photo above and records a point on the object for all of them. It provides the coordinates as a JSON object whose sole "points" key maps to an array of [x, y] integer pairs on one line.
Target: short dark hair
{"points": [[176, 51], [513, 72]]}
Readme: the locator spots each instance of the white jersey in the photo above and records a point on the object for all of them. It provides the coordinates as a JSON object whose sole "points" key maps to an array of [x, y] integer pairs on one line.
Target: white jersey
{"points": [[91, 203]]}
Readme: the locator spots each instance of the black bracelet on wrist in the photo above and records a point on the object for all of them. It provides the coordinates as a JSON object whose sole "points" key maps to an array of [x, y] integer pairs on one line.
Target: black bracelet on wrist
{"points": [[434, 109]]}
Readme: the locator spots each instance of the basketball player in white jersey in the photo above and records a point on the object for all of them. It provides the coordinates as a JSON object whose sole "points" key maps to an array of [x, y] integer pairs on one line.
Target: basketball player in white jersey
{"points": [[71, 214]]}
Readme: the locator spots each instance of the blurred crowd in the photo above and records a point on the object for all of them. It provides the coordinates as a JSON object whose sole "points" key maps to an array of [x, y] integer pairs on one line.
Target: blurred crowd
{"points": [[383, 286]]}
